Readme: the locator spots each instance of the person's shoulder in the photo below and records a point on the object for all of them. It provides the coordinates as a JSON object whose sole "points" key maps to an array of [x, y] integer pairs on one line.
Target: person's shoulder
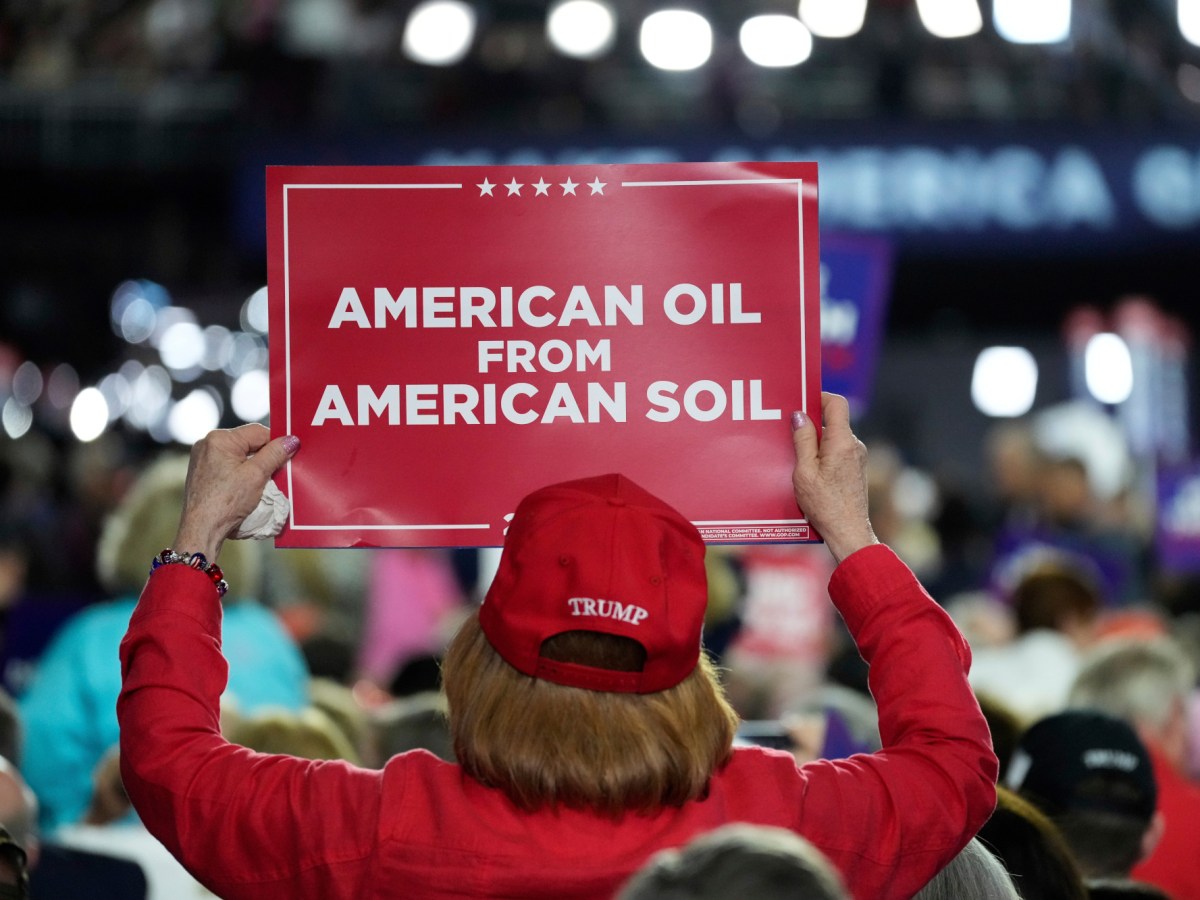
{"points": [[752, 761], [106, 620]]}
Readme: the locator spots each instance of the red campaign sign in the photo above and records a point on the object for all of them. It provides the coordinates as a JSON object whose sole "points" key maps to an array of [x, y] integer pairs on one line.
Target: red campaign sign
{"points": [[446, 339]]}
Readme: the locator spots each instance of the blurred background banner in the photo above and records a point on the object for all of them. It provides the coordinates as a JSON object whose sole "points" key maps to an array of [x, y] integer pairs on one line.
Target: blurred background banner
{"points": [[856, 273], [952, 188], [1178, 526]]}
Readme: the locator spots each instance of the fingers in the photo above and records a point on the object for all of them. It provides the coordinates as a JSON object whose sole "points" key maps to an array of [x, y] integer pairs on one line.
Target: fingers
{"points": [[251, 438], [274, 454], [804, 438], [835, 412]]}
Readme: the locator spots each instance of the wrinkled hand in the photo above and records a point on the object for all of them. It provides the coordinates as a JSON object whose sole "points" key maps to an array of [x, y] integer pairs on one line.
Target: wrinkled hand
{"points": [[830, 479], [226, 476]]}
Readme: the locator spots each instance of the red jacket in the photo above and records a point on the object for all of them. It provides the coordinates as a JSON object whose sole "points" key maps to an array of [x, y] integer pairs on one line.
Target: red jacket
{"points": [[1174, 864], [260, 827]]}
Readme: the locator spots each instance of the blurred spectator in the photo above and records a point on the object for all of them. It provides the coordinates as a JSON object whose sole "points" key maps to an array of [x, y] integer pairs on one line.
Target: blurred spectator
{"points": [[308, 733], [14, 869], [47, 868], [418, 675], [1032, 850], [975, 874], [738, 861], [1055, 607], [832, 722], [106, 839], [410, 723], [414, 604], [781, 650], [1149, 684], [1089, 773], [18, 812], [1014, 469], [69, 710], [1006, 730], [342, 706], [12, 733]]}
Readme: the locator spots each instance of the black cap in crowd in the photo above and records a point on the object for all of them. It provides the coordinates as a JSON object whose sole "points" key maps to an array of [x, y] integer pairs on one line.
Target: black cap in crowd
{"points": [[1082, 760]]}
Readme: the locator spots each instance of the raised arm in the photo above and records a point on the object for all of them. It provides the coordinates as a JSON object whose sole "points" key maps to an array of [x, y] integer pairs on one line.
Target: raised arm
{"points": [[913, 805], [247, 825]]}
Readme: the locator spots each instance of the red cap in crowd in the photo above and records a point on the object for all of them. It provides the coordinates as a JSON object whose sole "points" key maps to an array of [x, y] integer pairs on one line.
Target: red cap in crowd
{"points": [[599, 554]]}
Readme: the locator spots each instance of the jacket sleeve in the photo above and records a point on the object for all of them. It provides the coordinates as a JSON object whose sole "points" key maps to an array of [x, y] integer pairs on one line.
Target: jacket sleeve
{"points": [[906, 810], [247, 825]]}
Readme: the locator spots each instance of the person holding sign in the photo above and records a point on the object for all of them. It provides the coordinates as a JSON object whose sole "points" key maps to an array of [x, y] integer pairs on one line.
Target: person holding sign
{"points": [[589, 726]]}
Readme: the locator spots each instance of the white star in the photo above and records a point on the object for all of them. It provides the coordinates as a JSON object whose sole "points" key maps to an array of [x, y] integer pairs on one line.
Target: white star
{"points": [[568, 186], [597, 186], [485, 188], [542, 187], [514, 188]]}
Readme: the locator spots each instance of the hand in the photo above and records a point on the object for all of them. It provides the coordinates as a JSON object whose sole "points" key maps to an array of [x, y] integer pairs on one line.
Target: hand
{"points": [[830, 478], [226, 476]]}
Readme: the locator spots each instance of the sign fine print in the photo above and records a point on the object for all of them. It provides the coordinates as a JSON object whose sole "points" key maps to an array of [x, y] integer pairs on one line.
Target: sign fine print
{"points": [[446, 339]]}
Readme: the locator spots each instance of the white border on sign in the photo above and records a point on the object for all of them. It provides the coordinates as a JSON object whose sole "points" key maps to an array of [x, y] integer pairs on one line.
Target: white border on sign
{"points": [[287, 337]]}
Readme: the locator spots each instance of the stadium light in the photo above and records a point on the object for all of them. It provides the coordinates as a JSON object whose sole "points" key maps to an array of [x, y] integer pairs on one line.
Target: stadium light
{"points": [[584, 29], [1188, 13], [950, 18], [676, 40], [439, 32], [1004, 382], [1108, 368], [833, 18], [775, 41], [1032, 21]]}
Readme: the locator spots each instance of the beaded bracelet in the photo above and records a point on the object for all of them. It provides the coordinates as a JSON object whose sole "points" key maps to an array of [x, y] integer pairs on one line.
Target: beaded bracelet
{"points": [[197, 561]]}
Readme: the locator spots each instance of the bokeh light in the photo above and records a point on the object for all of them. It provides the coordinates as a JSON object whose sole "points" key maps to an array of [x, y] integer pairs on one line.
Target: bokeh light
{"points": [[194, 416], [1004, 383], [1108, 368], [775, 41], [439, 32], [584, 29], [676, 40], [250, 397], [89, 415]]}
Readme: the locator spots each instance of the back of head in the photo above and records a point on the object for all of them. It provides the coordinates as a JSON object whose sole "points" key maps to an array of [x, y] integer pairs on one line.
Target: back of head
{"points": [[599, 555], [409, 723], [1031, 850], [145, 522], [1144, 682], [974, 874], [309, 734], [1090, 773], [581, 680], [738, 861], [1054, 595]]}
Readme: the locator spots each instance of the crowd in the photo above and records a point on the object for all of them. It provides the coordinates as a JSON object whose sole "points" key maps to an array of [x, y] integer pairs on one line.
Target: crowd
{"points": [[796, 763]]}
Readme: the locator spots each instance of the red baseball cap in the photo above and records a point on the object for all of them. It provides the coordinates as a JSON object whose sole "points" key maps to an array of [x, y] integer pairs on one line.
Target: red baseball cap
{"points": [[599, 554]]}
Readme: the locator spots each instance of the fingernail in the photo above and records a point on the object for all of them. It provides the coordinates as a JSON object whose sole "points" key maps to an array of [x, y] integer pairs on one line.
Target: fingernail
{"points": [[799, 420], [291, 444]]}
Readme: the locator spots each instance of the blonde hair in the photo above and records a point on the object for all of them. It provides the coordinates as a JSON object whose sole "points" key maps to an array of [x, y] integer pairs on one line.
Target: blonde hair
{"points": [[309, 733], [546, 744], [146, 521]]}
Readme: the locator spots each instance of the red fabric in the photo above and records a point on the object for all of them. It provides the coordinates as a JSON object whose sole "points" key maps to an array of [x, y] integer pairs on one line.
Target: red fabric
{"points": [[1174, 865], [256, 826]]}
